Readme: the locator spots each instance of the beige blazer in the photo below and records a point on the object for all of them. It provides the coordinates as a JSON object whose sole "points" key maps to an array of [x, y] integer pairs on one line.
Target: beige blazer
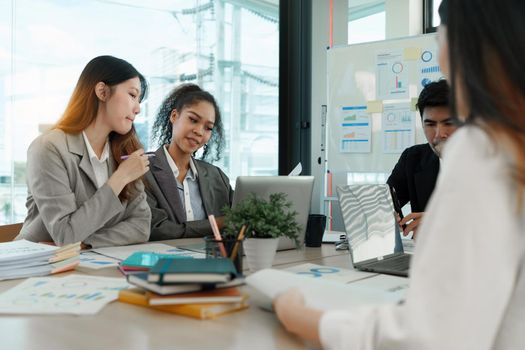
{"points": [[64, 204]]}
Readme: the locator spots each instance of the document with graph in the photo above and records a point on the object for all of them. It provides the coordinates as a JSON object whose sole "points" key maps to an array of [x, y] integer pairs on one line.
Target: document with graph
{"points": [[74, 294]]}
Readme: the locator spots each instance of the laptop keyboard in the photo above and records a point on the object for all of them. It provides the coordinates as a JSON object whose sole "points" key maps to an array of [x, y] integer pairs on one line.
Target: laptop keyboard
{"points": [[399, 262]]}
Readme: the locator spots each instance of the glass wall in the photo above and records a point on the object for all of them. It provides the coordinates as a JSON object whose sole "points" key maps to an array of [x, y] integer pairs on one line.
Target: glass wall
{"points": [[229, 47]]}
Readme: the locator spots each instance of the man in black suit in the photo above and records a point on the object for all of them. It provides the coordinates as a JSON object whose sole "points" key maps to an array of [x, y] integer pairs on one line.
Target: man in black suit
{"points": [[415, 174]]}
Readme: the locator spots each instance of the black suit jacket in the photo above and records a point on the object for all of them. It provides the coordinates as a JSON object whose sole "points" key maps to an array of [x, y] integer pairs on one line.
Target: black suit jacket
{"points": [[414, 176], [168, 218]]}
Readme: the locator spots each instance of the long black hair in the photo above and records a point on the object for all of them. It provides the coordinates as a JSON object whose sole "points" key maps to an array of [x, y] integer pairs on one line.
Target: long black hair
{"points": [[183, 96], [486, 57]]}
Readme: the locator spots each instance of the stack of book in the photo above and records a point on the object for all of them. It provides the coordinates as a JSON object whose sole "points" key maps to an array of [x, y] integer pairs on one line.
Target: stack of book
{"points": [[144, 261], [20, 259], [200, 288]]}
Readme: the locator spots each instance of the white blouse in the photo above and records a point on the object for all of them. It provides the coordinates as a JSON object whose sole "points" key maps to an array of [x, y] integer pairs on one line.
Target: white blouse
{"points": [[467, 284], [100, 165]]}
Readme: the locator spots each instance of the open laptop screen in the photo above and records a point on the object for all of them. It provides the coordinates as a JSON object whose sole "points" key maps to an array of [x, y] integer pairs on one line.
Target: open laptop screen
{"points": [[368, 215], [297, 188]]}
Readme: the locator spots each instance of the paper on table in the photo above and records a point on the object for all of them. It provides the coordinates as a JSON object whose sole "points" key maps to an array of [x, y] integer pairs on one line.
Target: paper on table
{"points": [[22, 249], [321, 293], [332, 236], [331, 273], [123, 252], [297, 170], [95, 261], [74, 294]]}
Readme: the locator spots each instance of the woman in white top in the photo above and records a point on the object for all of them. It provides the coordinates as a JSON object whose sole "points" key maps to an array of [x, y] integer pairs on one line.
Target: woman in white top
{"points": [[467, 284], [83, 176]]}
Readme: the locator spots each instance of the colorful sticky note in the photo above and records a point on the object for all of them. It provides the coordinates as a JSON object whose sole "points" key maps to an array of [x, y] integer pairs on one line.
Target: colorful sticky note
{"points": [[374, 106], [413, 103], [412, 53]]}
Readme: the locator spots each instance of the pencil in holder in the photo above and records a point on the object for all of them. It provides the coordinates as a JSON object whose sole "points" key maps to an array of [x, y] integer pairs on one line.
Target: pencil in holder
{"points": [[232, 246]]}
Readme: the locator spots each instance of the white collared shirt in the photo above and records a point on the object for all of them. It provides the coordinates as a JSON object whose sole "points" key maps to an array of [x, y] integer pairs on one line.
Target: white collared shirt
{"points": [[100, 165], [189, 191], [467, 275]]}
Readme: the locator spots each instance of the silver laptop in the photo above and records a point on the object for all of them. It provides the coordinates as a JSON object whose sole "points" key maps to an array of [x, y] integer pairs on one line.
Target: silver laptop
{"points": [[371, 230], [297, 188]]}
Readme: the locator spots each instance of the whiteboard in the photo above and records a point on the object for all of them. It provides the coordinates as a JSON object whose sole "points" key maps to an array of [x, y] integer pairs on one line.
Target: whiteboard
{"points": [[374, 79], [353, 81]]}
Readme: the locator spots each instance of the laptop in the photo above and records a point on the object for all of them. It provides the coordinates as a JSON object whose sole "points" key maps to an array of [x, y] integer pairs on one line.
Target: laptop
{"points": [[371, 230], [297, 188]]}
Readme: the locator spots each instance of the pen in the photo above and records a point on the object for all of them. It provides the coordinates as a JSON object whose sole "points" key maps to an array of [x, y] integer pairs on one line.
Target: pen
{"points": [[147, 154], [217, 234], [240, 237], [397, 205]]}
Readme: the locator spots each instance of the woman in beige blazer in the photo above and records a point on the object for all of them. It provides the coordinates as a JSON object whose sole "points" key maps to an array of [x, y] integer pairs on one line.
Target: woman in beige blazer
{"points": [[83, 176], [183, 191]]}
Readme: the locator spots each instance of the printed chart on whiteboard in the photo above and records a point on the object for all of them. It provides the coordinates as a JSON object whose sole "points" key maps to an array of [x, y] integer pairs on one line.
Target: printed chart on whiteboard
{"points": [[392, 75], [398, 127], [356, 130]]}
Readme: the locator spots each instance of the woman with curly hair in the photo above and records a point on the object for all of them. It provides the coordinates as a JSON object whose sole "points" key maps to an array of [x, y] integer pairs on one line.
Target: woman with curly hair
{"points": [[183, 191]]}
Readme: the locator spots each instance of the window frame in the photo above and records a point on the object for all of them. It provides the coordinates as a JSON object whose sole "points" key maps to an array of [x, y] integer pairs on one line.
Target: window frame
{"points": [[295, 78], [428, 17]]}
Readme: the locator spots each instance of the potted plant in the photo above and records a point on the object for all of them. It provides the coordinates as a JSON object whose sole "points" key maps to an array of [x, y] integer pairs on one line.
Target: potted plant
{"points": [[265, 221]]}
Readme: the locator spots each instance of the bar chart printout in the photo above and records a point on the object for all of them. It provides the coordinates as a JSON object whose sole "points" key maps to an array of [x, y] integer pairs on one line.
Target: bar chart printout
{"points": [[398, 127], [392, 75], [73, 294], [356, 130]]}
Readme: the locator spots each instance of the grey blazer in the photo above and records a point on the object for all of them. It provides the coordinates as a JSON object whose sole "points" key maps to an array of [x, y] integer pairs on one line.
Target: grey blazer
{"points": [[64, 204], [168, 218]]}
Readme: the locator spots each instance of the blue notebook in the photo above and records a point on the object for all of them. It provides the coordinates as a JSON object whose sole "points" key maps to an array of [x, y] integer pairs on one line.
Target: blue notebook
{"points": [[192, 271]]}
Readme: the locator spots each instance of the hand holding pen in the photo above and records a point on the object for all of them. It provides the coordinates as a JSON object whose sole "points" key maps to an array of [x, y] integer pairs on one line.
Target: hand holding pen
{"points": [[147, 154], [134, 166]]}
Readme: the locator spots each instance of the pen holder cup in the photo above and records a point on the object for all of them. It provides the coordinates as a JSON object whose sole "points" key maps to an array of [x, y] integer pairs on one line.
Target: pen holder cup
{"points": [[315, 230], [215, 248]]}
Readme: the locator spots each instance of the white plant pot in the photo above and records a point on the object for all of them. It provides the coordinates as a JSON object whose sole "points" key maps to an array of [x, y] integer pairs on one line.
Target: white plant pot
{"points": [[260, 252]]}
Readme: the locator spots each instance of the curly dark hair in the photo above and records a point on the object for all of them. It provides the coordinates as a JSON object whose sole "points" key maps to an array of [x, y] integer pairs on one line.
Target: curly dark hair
{"points": [[182, 96]]}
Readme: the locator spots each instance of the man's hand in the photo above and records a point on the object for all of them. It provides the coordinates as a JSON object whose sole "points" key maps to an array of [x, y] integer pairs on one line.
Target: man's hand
{"points": [[412, 222]]}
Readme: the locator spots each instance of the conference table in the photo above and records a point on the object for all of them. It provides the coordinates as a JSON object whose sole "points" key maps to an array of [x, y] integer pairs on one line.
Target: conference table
{"points": [[125, 326]]}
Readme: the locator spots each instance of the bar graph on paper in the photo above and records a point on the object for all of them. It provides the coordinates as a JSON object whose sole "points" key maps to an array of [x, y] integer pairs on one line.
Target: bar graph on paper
{"points": [[428, 68], [398, 127], [392, 75], [356, 130], [74, 294]]}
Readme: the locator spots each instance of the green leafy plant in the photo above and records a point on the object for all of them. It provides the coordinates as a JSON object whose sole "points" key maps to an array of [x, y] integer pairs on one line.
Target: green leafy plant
{"points": [[263, 219]]}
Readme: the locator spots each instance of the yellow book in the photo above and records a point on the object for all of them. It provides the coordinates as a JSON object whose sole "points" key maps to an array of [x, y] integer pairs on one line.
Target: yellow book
{"points": [[139, 297]]}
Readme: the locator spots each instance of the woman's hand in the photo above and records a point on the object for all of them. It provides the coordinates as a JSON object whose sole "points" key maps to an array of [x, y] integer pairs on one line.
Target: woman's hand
{"points": [[136, 165], [296, 317]]}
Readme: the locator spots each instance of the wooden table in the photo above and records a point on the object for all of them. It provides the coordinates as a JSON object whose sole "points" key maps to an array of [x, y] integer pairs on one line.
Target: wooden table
{"points": [[125, 326]]}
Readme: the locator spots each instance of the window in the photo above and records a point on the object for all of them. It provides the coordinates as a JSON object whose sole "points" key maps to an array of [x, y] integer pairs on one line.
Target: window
{"points": [[431, 15], [366, 21], [228, 47]]}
